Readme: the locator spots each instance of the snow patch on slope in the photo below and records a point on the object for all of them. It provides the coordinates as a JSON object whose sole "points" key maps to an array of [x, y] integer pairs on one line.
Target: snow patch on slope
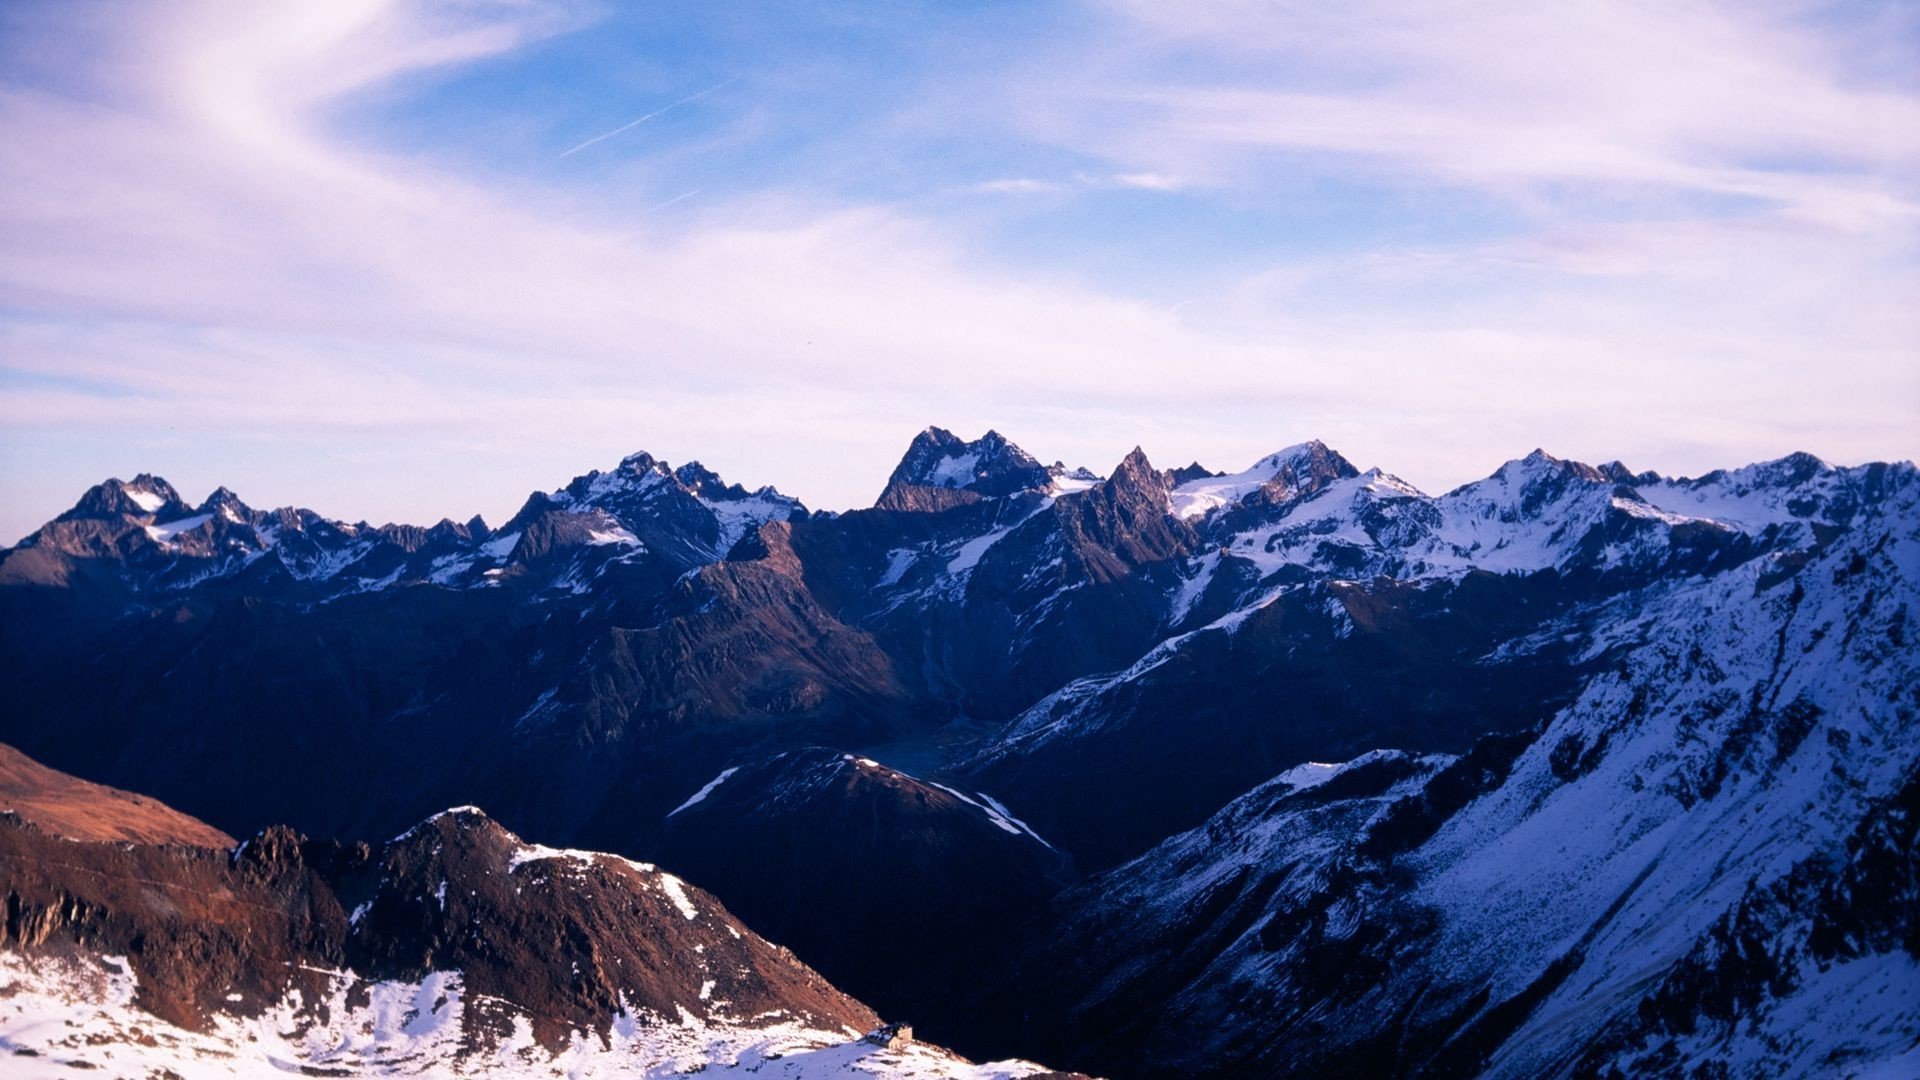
{"points": [[677, 893], [1198, 497], [165, 533], [705, 791], [60, 1016], [953, 472], [738, 517]]}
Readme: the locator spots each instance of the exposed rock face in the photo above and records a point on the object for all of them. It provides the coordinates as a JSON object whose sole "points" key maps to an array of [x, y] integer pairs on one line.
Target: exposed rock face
{"points": [[1186, 473], [1118, 661], [568, 938], [439, 624], [147, 495], [997, 601], [510, 958], [461, 893], [734, 656], [942, 470]]}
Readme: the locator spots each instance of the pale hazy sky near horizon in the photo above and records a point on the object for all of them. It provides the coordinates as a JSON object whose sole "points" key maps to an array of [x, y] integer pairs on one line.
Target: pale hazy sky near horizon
{"points": [[398, 260]]}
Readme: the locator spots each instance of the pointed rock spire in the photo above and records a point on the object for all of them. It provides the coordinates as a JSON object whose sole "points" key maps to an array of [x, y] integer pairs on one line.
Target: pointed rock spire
{"points": [[940, 470], [224, 501], [1195, 471], [146, 495]]}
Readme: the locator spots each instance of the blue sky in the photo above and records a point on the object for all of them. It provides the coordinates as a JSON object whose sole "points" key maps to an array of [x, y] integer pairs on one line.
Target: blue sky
{"points": [[398, 260]]}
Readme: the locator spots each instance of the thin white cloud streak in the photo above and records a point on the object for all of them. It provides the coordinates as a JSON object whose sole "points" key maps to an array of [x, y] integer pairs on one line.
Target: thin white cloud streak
{"points": [[662, 111], [1028, 185], [239, 272], [1730, 99], [682, 197], [1152, 181], [1476, 151], [1019, 185]]}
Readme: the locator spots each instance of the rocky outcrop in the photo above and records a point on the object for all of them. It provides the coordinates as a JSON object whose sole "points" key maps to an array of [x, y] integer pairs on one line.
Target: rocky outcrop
{"points": [[1122, 524], [1113, 660], [570, 939], [455, 948], [941, 470]]}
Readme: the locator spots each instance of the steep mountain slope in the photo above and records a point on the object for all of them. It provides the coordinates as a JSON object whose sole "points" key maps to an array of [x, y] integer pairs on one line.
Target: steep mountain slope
{"points": [[591, 658], [1344, 610], [1110, 764], [402, 669], [67, 806], [993, 602], [455, 947], [942, 470], [1114, 662], [1703, 864], [735, 658], [906, 867]]}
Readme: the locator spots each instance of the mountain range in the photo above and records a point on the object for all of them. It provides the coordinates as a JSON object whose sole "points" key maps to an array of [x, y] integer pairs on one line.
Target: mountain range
{"points": [[1295, 770]]}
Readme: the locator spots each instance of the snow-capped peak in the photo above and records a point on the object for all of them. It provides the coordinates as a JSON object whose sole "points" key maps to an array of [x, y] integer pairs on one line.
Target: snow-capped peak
{"points": [[1536, 465], [145, 495], [1067, 481], [689, 510], [641, 475], [938, 458], [1381, 482], [641, 461], [1300, 468], [226, 504], [989, 466]]}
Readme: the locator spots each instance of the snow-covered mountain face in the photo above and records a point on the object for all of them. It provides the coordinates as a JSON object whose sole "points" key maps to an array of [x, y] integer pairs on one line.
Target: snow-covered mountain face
{"points": [[1703, 865], [1109, 663], [159, 546], [1307, 508], [1275, 480], [1333, 610]]}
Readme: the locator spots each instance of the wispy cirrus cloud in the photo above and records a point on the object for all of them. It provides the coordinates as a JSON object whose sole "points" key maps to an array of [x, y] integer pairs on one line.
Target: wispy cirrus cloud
{"points": [[214, 257], [307, 286], [1764, 101]]}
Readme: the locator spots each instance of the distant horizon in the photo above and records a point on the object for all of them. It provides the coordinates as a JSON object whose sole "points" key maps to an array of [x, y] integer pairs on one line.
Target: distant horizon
{"points": [[495, 518], [392, 258]]}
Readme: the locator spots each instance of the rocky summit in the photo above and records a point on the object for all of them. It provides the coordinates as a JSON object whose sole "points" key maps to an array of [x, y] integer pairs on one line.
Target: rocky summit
{"points": [[1295, 770]]}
